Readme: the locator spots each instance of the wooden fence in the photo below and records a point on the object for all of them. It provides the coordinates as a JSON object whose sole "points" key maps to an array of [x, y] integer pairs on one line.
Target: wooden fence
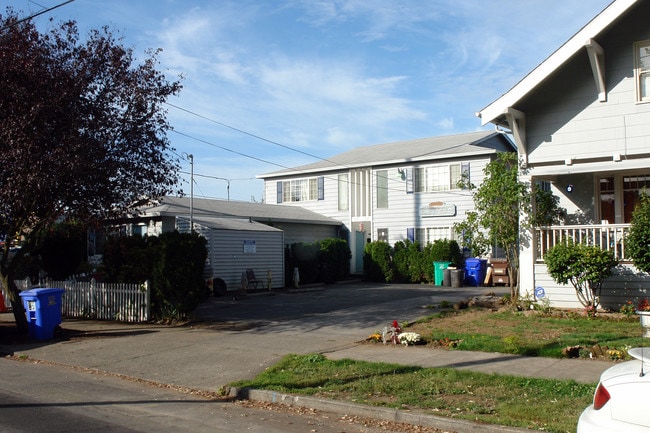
{"points": [[102, 301]]}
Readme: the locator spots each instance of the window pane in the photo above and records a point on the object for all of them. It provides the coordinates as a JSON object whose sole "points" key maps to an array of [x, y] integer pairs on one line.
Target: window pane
{"points": [[313, 189], [286, 191], [642, 70], [438, 178], [295, 190], [343, 192], [455, 175], [644, 83], [419, 180], [304, 190], [382, 189], [436, 233], [644, 57]]}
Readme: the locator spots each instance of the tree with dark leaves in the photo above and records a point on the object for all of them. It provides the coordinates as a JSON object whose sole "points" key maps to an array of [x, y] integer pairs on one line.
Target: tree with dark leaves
{"points": [[82, 133]]}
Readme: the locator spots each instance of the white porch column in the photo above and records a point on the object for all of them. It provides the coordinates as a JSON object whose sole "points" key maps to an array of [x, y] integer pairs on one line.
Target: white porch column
{"points": [[526, 249]]}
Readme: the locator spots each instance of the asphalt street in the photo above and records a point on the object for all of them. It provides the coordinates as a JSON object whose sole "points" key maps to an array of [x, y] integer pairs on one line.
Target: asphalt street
{"points": [[237, 338]]}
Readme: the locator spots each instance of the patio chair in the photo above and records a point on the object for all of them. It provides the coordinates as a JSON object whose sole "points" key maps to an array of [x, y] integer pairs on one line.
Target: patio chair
{"points": [[253, 282]]}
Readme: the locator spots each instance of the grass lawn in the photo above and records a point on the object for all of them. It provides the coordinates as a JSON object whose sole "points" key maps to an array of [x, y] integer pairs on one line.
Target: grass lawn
{"points": [[532, 333], [539, 404]]}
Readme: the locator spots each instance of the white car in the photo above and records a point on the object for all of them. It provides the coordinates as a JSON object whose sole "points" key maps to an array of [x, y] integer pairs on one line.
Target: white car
{"points": [[622, 399]]}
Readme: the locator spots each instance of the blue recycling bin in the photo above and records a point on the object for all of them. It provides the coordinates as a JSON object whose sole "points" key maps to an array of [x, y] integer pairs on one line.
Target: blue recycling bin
{"points": [[475, 270], [43, 311]]}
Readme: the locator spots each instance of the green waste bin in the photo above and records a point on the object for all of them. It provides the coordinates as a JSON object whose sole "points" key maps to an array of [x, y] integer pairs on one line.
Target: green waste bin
{"points": [[439, 272]]}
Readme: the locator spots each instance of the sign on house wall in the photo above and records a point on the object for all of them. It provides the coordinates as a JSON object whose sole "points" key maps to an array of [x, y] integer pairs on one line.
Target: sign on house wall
{"points": [[250, 247], [437, 209]]}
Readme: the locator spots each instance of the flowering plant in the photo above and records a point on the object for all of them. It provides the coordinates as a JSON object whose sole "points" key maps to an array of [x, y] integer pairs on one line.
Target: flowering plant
{"points": [[644, 305], [409, 338], [391, 334], [628, 308]]}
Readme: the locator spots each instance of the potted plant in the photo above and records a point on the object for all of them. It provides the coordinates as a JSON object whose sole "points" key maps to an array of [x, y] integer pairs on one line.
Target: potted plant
{"points": [[643, 310]]}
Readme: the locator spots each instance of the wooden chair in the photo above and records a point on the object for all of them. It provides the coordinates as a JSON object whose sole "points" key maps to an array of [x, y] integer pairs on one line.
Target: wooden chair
{"points": [[253, 282]]}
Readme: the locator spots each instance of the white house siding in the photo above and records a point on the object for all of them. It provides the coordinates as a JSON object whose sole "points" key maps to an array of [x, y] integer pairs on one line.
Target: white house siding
{"points": [[574, 124], [404, 209], [327, 207], [627, 284]]}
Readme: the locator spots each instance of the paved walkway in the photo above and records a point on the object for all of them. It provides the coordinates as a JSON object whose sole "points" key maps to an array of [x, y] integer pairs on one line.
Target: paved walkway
{"points": [[240, 338]]}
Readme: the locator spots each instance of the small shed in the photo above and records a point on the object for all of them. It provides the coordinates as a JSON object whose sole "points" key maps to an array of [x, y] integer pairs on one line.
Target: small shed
{"points": [[237, 244]]}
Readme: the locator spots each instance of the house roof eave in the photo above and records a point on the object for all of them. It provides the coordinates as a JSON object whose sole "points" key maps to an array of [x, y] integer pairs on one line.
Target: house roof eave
{"points": [[495, 111]]}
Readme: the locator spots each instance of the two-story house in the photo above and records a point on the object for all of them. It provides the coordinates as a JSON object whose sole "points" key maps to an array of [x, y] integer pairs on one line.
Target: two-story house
{"points": [[391, 192], [581, 122]]}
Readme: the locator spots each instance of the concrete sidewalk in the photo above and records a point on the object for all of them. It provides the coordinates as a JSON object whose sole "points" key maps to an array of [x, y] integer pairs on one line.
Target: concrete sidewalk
{"points": [[213, 354]]}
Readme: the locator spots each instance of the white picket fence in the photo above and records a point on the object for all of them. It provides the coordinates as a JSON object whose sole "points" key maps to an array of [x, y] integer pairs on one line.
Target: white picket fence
{"points": [[102, 301]]}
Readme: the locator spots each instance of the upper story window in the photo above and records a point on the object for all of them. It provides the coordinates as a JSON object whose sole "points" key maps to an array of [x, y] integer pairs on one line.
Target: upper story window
{"points": [[301, 190], [642, 70], [344, 192], [382, 189], [439, 177]]}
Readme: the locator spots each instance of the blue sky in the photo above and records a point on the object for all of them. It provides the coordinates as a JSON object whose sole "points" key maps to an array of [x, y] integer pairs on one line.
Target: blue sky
{"points": [[276, 84]]}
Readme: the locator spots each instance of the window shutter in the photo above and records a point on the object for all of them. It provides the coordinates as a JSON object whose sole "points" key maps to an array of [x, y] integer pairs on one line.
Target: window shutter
{"points": [[409, 180], [321, 188], [464, 171], [279, 189], [410, 234]]}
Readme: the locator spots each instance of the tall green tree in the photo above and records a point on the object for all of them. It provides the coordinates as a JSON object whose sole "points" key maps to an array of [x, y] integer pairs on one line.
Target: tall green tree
{"points": [[499, 202], [82, 133]]}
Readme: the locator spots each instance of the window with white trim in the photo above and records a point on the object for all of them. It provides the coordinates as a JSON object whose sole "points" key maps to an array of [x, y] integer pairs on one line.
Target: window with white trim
{"points": [[427, 235], [642, 70], [300, 190], [437, 178]]}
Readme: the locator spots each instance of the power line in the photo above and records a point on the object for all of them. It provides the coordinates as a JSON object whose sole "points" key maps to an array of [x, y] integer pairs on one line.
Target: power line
{"points": [[250, 134], [228, 150], [36, 14]]}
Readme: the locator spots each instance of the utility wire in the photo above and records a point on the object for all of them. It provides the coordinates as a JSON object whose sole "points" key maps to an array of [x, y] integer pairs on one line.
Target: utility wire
{"points": [[36, 14], [241, 131]]}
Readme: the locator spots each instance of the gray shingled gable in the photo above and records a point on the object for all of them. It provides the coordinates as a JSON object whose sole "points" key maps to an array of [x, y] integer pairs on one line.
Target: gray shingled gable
{"points": [[424, 149], [176, 206]]}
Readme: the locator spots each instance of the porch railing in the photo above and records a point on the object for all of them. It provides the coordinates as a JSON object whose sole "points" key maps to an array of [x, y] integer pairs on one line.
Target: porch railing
{"points": [[610, 237]]}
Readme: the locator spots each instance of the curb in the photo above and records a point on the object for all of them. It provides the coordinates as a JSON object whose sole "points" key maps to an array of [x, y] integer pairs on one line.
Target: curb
{"points": [[379, 413]]}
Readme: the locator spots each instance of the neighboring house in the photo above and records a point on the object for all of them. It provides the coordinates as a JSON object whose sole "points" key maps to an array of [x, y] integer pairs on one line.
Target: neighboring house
{"points": [[391, 192], [581, 123], [240, 235]]}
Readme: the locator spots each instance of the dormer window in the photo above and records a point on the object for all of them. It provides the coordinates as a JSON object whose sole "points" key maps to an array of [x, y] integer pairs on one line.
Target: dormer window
{"points": [[642, 70]]}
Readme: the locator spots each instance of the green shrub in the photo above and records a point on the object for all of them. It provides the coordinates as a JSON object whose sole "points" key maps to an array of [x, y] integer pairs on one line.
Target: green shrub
{"points": [[442, 250], [377, 262], [172, 262], [637, 242], [326, 261], [334, 259], [127, 259], [584, 266], [401, 261], [177, 275]]}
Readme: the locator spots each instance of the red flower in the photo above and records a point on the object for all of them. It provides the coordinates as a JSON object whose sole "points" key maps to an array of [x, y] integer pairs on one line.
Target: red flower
{"points": [[644, 305]]}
